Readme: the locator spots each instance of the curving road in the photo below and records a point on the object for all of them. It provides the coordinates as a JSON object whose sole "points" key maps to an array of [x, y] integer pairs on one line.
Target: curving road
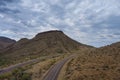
{"points": [[55, 70], [10, 68], [52, 73]]}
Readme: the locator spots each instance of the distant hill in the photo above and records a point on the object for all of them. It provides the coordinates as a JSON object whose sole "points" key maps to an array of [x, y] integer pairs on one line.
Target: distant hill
{"points": [[45, 43], [5, 42], [113, 49]]}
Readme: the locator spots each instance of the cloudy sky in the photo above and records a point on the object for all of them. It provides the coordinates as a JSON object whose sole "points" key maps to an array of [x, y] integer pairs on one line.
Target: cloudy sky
{"points": [[93, 22]]}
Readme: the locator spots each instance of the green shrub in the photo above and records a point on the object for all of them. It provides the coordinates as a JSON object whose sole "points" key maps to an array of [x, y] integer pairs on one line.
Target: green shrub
{"points": [[59, 51], [26, 76], [19, 74], [5, 76]]}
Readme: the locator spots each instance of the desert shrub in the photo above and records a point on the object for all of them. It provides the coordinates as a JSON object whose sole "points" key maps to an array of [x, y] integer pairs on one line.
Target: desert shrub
{"points": [[59, 51], [106, 67], [26, 76], [19, 74], [118, 70], [5, 76], [3, 61]]}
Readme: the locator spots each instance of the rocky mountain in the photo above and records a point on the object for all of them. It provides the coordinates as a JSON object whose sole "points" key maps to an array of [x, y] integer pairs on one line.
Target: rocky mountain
{"points": [[6, 42], [45, 43]]}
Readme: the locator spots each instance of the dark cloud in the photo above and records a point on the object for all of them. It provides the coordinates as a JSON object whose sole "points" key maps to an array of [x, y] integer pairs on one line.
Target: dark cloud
{"points": [[114, 19], [8, 11], [2, 3], [4, 8], [5, 2], [117, 33], [66, 1], [58, 11]]}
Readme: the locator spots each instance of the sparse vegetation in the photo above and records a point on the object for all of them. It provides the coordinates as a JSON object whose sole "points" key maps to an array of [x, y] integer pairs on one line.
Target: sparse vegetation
{"points": [[43, 44], [59, 51], [96, 64], [20, 74], [4, 62], [39, 70], [17, 74], [90, 64], [5, 76]]}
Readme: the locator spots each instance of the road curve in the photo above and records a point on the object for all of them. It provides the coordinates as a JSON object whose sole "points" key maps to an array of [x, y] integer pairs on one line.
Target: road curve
{"points": [[55, 70], [8, 69]]}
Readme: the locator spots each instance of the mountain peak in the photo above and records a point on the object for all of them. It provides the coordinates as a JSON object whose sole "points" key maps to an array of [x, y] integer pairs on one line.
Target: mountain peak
{"points": [[49, 32], [49, 42], [53, 31]]}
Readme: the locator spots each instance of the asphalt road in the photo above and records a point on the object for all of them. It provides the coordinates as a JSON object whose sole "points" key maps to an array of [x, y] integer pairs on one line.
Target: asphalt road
{"points": [[52, 73], [10, 68], [55, 70]]}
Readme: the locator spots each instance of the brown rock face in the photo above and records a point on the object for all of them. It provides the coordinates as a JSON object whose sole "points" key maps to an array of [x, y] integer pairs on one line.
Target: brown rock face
{"points": [[45, 43]]}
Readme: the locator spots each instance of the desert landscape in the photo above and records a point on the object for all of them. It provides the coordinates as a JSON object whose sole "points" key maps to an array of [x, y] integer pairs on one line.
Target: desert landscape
{"points": [[89, 63], [59, 39]]}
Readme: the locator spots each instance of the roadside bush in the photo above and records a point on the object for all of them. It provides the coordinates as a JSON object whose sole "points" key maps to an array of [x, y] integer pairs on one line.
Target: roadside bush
{"points": [[5, 76], [19, 74], [3, 62], [59, 51]]}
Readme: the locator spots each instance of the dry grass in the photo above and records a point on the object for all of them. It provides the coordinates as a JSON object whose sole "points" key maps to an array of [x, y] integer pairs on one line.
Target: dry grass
{"points": [[40, 69], [95, 65]]}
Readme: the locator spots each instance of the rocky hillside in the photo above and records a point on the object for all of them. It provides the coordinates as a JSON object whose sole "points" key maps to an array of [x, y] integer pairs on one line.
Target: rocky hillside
{"points": [[43, 44], [97, 64], [5, 42]]}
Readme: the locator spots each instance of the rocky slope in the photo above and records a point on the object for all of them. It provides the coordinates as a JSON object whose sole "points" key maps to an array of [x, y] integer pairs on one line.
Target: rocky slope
{"points": [[43, 44], [6, 42], [98, 64]]}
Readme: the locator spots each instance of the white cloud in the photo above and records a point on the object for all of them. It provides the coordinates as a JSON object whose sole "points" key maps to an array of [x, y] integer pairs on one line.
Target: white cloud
{"points": [[1, 16], [83, 20], [7, 32], [69, 22]]}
